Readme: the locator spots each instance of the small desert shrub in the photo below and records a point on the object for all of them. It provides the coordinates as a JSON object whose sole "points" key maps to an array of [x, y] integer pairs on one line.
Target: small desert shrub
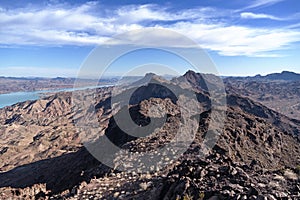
{"points": [[187, 197]]}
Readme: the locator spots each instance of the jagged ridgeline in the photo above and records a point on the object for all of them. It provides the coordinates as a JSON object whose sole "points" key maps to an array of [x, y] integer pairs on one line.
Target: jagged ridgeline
{"points": [[256, 154]]}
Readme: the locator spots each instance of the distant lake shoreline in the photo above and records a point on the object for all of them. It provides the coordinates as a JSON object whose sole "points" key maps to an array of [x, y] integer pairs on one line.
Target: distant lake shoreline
{"points": [[9, 99]]}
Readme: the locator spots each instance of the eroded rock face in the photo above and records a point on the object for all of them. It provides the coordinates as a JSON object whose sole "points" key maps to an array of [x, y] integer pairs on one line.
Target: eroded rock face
{"points": [[255, 157], [43, 129]]}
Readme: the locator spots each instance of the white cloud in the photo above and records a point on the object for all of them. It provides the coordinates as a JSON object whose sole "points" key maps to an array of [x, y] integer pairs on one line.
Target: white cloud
{"points": [[250, 15], [83, 25], [140, 13], [297, 25], [237, 40]]}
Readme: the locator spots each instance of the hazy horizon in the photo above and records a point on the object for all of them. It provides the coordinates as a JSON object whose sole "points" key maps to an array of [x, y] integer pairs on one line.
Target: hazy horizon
{"points": [[138, 75]]}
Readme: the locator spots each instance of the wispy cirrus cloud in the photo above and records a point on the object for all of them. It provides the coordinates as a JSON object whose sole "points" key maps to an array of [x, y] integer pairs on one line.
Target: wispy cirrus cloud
{"points": [[84, 25], [250, 15], [261, 3]]}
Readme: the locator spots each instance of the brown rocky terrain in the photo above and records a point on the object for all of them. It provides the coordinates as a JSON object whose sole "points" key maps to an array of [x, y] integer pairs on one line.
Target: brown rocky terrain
{"points": [[280, 91], [256, 155]]}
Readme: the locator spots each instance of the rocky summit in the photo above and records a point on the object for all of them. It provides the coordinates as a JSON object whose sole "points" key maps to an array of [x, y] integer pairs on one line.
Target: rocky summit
{"points": [[233, 146]]}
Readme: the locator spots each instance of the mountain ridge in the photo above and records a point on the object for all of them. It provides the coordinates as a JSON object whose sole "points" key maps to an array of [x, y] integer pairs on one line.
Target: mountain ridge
{"points": [[256, 153], [282, 76]]}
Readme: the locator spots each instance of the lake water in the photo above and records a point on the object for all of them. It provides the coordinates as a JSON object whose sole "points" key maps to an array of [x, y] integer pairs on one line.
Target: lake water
{"points": [[15, 97]]}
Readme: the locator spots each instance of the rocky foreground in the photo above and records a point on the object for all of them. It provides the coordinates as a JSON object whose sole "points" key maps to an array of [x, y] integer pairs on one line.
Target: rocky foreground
{"points": [[256, 155]]}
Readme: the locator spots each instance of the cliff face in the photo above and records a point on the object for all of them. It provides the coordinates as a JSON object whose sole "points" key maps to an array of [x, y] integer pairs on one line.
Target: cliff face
{"points": [[256, 154]]}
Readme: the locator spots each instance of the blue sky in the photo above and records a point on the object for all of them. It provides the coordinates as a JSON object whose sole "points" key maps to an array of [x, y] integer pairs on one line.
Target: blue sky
{"points": [[54, 37]]}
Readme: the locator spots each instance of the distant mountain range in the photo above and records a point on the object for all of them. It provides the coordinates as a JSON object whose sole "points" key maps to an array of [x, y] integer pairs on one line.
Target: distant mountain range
{"points": [[283, 76], [26, 84]]}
